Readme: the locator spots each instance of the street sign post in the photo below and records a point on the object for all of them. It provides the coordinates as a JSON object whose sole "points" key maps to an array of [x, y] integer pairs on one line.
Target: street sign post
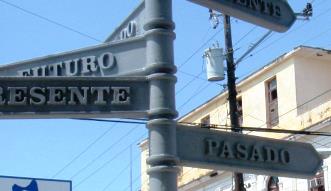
{"points": [[8, 183], [275, 15], [213, 149], [74, 97]]}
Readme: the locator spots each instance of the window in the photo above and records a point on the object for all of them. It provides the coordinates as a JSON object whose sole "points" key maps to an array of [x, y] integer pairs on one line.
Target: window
{"points": [[240, 110], [272, 102], [273, 184], [205, 122], [317, 183]]}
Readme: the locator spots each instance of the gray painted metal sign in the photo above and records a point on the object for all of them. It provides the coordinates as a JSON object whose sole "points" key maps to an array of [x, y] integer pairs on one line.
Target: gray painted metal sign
{"points": [[212, 149], [275, 15], [73, 97], [8, 183], [125, 58]]}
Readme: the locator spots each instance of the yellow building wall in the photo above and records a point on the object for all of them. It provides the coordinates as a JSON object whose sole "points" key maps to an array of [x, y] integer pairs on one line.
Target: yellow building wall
{"points": [[254, 97], [314, 105], [299, 79]]}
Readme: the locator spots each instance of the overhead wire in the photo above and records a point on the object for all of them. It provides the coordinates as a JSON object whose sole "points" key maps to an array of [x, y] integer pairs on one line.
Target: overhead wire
{"points": [[49, 20], [104, 151], [134, 181], [109, 161], [189, 83], [119, 175], [289, 32], [315, 142], [198, 91], [300, 105], [199, 48], [84, 151], [128, 121], [245, 35]]}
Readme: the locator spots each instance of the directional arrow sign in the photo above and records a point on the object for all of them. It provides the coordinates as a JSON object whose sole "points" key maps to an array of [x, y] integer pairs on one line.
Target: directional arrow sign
{"points": [[73, 97], [124, 58], [8, 183], [212, 149], [275, 15]]}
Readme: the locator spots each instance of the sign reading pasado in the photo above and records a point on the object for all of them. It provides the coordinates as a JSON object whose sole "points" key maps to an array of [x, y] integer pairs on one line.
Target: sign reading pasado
{"points": [[221, 150], [275, 15], [36, 97]]}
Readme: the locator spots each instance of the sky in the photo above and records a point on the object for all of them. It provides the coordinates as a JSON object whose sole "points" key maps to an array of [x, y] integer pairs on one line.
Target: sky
{"points": [[99, 155]]}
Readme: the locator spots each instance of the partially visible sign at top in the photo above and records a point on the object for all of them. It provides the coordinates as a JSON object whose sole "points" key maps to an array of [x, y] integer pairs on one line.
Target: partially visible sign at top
{"points": [[275, 15], [132, 26]]}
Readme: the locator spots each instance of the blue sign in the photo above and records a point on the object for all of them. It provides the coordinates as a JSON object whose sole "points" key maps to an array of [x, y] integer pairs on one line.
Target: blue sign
{"points": [[8, 183]]}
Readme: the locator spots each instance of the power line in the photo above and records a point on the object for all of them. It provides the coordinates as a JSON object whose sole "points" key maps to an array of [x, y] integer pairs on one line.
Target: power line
{"points": [[245, 35], [259, 129], [315, 142], [115, 121], [50, 20], [286, 34], [298, 106], [119, 174], [188, 83], [199, 48], [107, 162], [193, 75], [317, 36], [134, 181], [198, 91], [104, 152], [84, 151]]}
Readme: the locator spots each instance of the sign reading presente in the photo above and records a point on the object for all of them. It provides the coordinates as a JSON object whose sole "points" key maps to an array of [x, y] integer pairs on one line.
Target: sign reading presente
{"points": [[36, 97], [221, 150], [275, 15]]}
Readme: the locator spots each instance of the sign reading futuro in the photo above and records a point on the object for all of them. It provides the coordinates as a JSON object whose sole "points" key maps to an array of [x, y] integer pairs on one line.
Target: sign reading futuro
{"points": [[73, 67], [71, 97], [124, 58]]}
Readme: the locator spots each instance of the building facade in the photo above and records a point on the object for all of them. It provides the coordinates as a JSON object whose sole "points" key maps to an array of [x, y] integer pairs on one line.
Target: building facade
{"points": [[292, 92]]}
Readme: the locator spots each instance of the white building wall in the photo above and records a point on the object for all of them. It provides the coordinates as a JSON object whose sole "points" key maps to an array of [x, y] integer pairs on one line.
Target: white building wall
{"points": [[327, 173]]}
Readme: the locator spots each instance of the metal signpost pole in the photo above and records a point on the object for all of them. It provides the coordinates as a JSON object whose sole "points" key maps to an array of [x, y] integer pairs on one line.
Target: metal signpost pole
{"points": [[238, 177], [162, 127]]}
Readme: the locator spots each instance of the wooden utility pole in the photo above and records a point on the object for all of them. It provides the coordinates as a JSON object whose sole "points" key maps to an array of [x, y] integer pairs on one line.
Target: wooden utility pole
{"points": [[232, 92]]}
